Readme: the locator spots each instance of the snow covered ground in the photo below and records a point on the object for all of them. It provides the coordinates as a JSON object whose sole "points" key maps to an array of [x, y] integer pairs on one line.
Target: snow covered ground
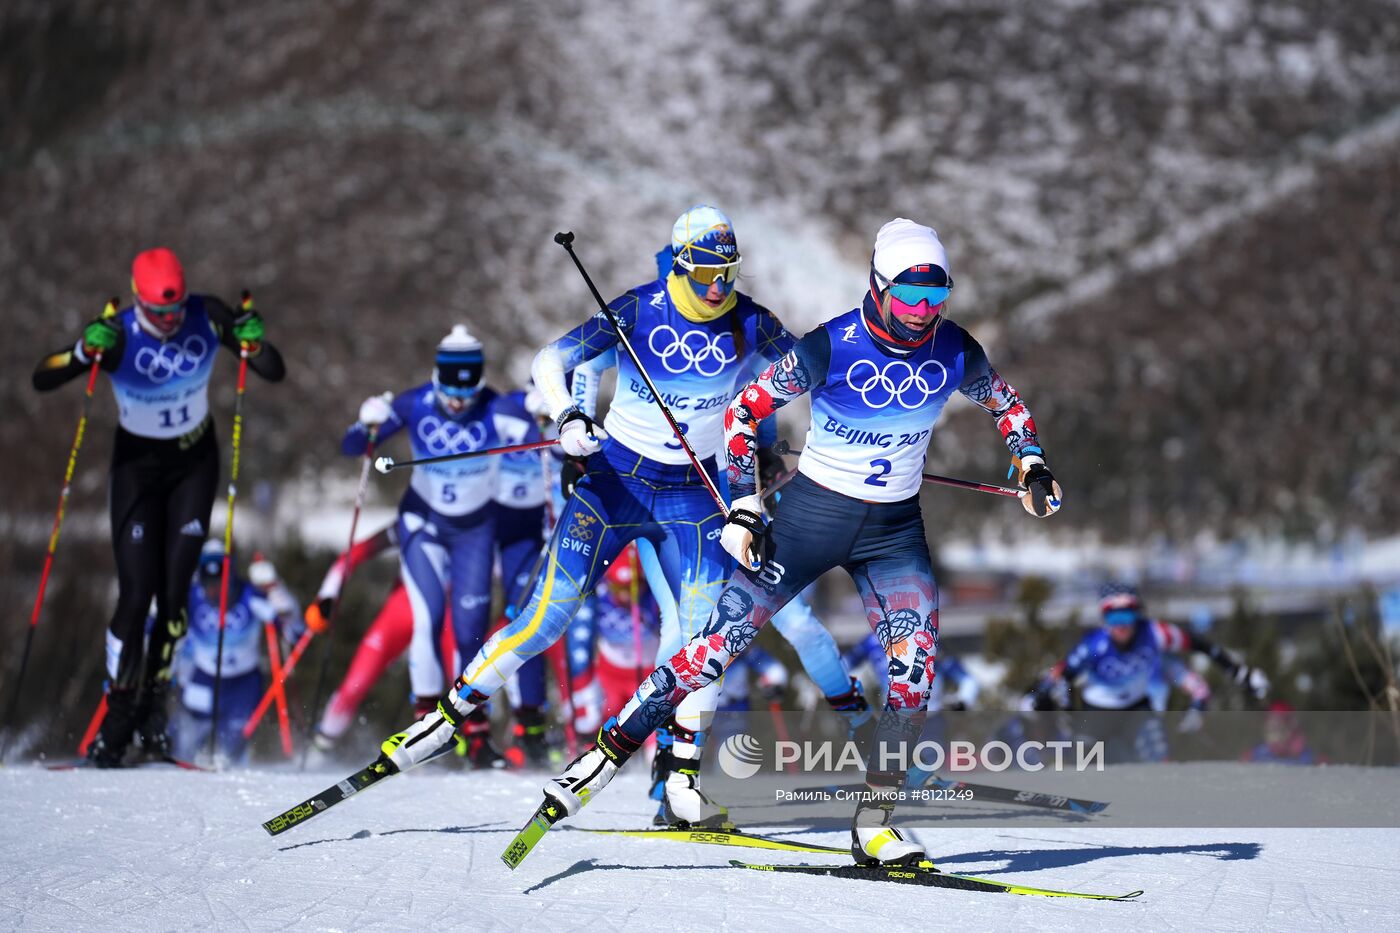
{"points": [[153, 849]]}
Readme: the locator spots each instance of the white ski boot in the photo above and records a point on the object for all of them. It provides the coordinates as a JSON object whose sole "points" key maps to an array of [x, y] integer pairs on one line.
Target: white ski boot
{"points": [[685, 805], [585, 776], [431, 736], [875, 842]]}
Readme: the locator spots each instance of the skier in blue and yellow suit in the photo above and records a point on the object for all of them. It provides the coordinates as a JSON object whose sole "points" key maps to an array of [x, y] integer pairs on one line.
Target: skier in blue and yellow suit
{"points": [[692, 331]]}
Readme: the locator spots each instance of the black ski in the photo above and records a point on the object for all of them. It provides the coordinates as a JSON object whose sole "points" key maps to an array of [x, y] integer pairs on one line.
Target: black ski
{"points": [[77, 764], [926, 875], [1009, 795], [366, 777], [1027, 798]]}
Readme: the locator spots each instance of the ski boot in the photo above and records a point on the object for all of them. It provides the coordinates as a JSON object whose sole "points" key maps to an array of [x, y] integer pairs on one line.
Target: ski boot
{"points": [[590, 772], [860, 719], [109, 746], [660, 771], [874, 842], [479, 750], [531, 737], [433, 734], [152, 717], [683, 804]]}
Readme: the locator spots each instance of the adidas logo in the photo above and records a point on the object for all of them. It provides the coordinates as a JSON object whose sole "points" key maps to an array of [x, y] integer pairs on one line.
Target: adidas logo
{"points": [[194, 527]]}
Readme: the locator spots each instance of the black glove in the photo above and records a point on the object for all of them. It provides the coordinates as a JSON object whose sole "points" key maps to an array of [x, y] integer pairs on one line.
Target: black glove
{"points": [[570, 473], [1042, 496], [744, 536]]}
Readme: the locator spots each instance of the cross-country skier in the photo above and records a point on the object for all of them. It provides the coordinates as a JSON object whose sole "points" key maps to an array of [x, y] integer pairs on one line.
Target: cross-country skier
{"points": [[448, 517], [387, 637], [1114, 667], [159, 355], [692, 331], [1285, 742], [252, 602], [795, 622], [879, 376]]}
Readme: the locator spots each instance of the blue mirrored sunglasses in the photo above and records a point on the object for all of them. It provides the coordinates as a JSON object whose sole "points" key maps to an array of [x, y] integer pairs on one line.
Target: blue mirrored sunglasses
{"points": [[935, 295], [1118, 617], [934, 289]]}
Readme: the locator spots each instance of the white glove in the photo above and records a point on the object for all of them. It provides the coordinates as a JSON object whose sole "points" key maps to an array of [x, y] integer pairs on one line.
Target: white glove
{"points": [[1253, 680], [743, 534], [579, 436], [376, 410], [535, 403]]}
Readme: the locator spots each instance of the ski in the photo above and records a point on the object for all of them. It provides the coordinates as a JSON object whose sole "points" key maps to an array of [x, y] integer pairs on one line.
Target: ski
{"points": [[1027, 798], [82, 764], [925, 874], [731, 836], [546, 815], [366, 777], [1010, 795]]}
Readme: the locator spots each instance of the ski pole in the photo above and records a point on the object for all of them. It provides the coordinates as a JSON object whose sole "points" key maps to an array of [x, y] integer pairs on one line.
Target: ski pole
{"points": [[335, 608], [107, 312], [386, 464], [93, 725], [566, 240], [977, 487], [228, 535], [274, 660], [635, 594], [782, 449], [277, 689], [775, 709]]}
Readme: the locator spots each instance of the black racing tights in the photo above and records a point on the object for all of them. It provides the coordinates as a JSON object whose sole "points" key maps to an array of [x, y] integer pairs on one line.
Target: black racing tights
{"points": [[162, 494]]}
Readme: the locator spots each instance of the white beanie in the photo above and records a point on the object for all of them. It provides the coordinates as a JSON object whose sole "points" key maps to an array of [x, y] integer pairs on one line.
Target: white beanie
{"points": [[902, 244]]}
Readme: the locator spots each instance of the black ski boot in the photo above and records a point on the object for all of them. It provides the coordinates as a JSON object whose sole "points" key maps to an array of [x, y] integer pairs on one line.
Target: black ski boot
{"points": [[152, 717], [481, 752], [531, 737], [860, 719], [108, 748], [660, 771]]}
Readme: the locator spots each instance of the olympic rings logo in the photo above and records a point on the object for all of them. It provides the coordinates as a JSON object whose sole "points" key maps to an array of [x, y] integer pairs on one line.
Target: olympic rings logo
{"points": [[448, 437], [896, 382], [172, 359], [695, 349]]}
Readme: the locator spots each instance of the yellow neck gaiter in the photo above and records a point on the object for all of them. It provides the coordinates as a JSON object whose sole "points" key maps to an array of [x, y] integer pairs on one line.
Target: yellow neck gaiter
{"points": [[689, 304]]}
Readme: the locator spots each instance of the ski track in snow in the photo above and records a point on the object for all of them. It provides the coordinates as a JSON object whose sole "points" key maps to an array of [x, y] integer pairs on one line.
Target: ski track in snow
{"points": [[157, 850]]}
